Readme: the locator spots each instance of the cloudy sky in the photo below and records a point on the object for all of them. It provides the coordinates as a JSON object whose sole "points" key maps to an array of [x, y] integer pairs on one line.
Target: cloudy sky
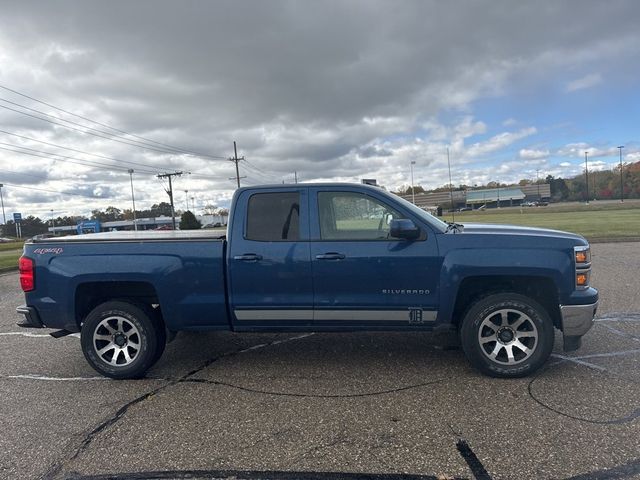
{"points": [[338, 91]]}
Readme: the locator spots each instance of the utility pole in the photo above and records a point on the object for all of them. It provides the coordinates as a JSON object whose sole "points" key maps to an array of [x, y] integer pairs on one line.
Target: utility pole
{"points": [[133, 200], [621, 183], [235, 159], [4, 217], [170, 193], [295, 177], [586, 174]]}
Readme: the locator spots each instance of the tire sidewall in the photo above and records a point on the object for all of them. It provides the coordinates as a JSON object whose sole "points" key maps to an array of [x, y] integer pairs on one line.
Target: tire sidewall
{"points": [[484, 307], [141, 319]]}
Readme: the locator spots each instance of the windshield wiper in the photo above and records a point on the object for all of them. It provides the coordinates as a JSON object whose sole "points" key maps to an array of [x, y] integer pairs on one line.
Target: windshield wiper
{"points": [[454, 227]]}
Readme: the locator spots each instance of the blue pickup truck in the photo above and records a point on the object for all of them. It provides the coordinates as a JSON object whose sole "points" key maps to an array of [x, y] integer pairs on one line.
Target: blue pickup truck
{"points": [[315, 257]]}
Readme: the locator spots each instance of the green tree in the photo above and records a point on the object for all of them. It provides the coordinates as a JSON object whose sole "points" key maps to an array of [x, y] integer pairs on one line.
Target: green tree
{"points": [[188, 221]]}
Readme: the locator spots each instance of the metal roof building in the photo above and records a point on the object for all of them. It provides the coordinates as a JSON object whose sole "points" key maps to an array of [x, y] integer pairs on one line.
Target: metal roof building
{"points": [[490, 195]]}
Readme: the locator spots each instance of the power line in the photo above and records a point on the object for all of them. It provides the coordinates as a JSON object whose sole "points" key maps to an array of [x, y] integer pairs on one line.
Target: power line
{"points": [[65, 158], [13, 172], [81, 131], [51, 191], [166, 145], [137, 164], [81, 151], [262, 172]]}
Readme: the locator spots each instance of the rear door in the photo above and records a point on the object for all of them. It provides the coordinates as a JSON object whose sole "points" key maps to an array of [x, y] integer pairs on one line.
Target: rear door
{"points": [[269, 260], [363, 276]]}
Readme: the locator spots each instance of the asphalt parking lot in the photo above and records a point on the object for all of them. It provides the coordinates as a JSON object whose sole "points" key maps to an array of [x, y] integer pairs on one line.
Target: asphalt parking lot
{"points": [[327, 406]]}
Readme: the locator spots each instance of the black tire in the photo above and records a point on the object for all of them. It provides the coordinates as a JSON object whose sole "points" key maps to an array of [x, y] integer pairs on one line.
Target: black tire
{"points": [[507, 348], [115, 322]]}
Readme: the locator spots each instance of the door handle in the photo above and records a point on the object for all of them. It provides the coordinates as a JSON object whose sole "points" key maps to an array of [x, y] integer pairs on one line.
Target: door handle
{"points": [[331, 256], [248, 257]]}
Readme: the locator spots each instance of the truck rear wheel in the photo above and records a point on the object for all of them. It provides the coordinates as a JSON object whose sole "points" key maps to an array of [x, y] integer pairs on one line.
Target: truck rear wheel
{"points": [[507, 335], [120, 339]]}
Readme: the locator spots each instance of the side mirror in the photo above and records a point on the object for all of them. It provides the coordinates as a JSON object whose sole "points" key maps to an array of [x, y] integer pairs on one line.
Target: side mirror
{"points": [[404, 228]]}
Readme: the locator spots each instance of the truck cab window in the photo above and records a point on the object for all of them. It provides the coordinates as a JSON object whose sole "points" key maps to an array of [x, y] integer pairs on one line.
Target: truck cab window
{"points": [[354, 216], [274, 217]]}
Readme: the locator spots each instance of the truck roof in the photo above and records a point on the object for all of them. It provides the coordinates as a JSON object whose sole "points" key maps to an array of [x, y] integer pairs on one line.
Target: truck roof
{"points": [[315, 184]]}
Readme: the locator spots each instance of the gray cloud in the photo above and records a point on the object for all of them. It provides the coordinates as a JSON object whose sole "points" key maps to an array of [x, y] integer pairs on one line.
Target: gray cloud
{"points": [[332, 90]]}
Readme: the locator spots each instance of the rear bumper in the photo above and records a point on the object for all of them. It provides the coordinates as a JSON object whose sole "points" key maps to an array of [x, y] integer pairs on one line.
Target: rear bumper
{"points": [[577, 319], [31, 317]]}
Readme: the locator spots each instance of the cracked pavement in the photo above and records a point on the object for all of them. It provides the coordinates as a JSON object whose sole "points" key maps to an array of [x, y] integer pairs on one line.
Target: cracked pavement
{"points": [[325, 406]]}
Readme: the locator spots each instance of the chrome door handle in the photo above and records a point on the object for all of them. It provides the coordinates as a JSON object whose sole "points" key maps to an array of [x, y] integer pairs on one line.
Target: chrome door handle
{"points": [[248, 257], [331, 256]]}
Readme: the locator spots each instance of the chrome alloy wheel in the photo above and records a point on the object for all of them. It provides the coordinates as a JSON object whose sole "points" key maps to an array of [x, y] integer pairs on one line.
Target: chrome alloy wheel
{"points": [[116, 341], [508, 336]]}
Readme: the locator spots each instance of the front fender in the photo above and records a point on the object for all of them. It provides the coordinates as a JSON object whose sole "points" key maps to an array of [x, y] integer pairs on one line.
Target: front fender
{"points": [[459, 265]]}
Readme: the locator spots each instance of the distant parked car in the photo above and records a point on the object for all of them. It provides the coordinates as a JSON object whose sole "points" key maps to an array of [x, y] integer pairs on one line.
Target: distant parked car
{"points": [[465, 209], [6, 240]]}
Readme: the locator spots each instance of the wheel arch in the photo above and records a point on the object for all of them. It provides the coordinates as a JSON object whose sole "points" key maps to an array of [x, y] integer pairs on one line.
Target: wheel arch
{"points": [[89, 295], [540, 288]]}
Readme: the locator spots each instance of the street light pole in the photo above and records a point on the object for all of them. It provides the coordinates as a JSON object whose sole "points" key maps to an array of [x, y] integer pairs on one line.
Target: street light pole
{"points": [[133, 200], [621, 183], [586, 174], [186, 194], [53, 223], [538, 182], [4, 217], [413, 191]]}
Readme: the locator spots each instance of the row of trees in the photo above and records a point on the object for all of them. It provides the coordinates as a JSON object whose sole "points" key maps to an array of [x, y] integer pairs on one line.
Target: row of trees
{"points": [[603, 185]]}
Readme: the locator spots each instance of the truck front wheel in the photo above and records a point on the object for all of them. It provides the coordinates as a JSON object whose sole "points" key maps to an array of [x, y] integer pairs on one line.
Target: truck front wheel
{"points": [[507, 335], [120, 340]]}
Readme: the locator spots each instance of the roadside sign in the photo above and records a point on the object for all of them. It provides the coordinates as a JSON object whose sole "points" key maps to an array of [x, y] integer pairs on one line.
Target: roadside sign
{"points": [[17, 217]]}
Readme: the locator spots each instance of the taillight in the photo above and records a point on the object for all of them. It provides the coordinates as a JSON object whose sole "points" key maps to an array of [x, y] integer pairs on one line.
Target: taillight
{"points": [[27, 278]]}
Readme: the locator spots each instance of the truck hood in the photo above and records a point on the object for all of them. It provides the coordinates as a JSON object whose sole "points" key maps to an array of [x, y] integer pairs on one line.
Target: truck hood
{"points": [[514, 230]]}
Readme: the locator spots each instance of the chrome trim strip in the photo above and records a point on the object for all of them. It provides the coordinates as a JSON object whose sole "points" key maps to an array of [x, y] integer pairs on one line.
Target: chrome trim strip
{"points": [[328, 315], [274, 314]]}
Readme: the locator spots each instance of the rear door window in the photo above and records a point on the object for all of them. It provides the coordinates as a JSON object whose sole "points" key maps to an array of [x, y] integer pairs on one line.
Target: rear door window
{"points": [[274, 217]]}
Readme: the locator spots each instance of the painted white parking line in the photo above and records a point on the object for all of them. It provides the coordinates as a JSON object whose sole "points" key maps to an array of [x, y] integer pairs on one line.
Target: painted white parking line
{"points": [[276, 342], [54, 379], [35, 335], [579, 362]]}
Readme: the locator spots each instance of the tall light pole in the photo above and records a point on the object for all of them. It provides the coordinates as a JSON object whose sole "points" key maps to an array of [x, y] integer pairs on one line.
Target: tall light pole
{"points": [[133, 200], [53, 223], [538, 182], [413, 191], [193, 203], [4, 217], [586, 174], [621, 183], [186, 194], [453, 210]]}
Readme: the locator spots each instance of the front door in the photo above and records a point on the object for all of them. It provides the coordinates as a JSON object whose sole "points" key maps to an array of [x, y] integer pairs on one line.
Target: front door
{"points": [[269, 260], [362, 276]]}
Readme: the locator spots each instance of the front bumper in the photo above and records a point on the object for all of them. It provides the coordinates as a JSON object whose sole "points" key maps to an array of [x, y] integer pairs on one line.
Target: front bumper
{"points": [[577, 319], [31, 317]]}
